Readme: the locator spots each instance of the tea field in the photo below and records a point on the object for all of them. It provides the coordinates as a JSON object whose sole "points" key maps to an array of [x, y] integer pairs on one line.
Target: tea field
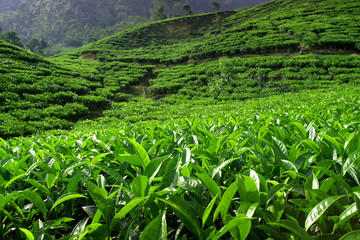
{"points": [[231, 125], [274, 168]]}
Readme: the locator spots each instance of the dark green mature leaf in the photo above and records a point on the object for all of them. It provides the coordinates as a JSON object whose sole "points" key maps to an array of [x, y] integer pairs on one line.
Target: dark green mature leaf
{"points": [[99, 196], [38, 185], [38, 230], [14, 179], [66, 197], [293, 227], [346, 215], [238, 221], [301, 129], [185, 213], [156, 229], [350, 161], [312, 145], [332, 141], [34, 198], [125, 210], [210, 184], [336, 177], [354, 235], [80, 227], [319, 210], [352, 143]]}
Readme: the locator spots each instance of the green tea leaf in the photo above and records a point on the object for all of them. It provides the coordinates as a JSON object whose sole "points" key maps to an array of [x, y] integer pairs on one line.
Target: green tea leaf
{"points": [[99, 196], [156, 229], [139, 186], [346, 215], [247, 189], [185, 213], [332, 141], [354, 235], [80, 227], [34, 198], [210, 184], [236, 222], [225, 202], [141, 152], [350, 161], [301, 129], [319, 210], [66, 197], [38, 230], [125, 210], [28, 234], [293, 227], [208, 210]]}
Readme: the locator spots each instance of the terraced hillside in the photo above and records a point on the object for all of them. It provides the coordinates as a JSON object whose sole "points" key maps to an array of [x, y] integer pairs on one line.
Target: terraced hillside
{"points": [[234, 125], [309, 45], [282, 26]]}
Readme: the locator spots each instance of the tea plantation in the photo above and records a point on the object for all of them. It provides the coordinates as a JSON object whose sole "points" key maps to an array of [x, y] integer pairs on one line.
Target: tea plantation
{"points": [[231, 125]]}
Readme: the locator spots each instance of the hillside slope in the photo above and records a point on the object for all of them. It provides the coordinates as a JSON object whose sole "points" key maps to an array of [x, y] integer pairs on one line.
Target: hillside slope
{"points": [[141, 71], [278, 26]]}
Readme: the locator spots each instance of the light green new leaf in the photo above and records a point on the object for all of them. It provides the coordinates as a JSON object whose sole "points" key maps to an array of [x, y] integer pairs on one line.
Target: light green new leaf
{"points": [[141, 152], [247, 189], [132, 159], [139, 186], [125, 210], [293, 227], [66, 197], [28, 234], [208, 210], [319, 210], [354, 235], [98, 158], [156, 229], [225, 202]]}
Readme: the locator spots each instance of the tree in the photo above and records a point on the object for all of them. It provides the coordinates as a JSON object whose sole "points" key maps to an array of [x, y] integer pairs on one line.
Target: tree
{"points": [[1, 30], [187, 9], [33, 45], [159, 13], [215, 6], [12, 37]]}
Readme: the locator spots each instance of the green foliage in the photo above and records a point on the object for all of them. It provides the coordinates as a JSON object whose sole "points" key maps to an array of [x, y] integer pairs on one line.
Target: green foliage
{"points": [[250, 173]]}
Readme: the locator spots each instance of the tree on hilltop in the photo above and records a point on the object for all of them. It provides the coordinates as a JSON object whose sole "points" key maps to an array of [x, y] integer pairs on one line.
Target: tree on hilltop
{"points": [[215, 6], [12, 37], [159, 13], [187, 9]]}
